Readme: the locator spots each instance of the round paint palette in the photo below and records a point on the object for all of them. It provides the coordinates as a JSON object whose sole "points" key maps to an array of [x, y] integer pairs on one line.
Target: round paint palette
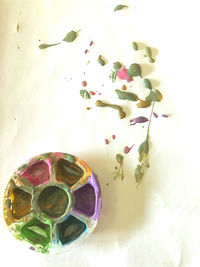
{"points": [[52, 202]]}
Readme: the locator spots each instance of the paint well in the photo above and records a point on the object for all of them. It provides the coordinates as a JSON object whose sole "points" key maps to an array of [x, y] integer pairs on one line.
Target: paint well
{"points": [[70, 229], [68, 172], [36, 232], [20, 203], [85, 199], [53, 201], [37, 173]]}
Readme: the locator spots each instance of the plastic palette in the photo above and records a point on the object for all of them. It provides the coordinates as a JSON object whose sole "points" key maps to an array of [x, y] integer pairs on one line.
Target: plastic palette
{"points": [[52, 202]]}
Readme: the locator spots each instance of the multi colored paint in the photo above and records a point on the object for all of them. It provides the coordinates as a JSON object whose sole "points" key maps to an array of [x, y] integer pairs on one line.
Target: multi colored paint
{"points": [[51, 201]]}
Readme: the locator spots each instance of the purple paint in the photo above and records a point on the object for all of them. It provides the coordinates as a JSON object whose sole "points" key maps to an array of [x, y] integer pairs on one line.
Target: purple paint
{"points": [[85, 200], [37, 173], [88, 198], [98, 199]]}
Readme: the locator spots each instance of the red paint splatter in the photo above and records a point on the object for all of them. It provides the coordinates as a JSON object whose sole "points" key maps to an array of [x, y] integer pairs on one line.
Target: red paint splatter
{"points": [[113, 136], [127, 149], [92, 93], [106, 141]]}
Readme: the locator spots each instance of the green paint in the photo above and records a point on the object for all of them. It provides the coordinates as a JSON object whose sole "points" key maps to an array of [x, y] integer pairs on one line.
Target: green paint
{"points": [[135, 70], [44, 46], [126, 95], [154, 95], [147, 84], [117, 65], [85, 94], [113, 75], [70, 158], [22, 167], [70, 36], [107, 184], [148, 54], [119, 7], [134, 45], [121, 113], [101, 60], [143, 149], [38, 230], [119, 173], [36, 233]]}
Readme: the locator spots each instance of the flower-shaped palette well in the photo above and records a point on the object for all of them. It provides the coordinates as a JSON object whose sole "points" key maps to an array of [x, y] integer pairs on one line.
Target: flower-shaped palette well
{"points": [[52, 201]]}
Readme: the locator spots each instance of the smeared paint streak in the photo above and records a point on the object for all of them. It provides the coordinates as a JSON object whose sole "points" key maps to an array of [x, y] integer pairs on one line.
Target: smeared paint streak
{"points": [[98, 198]]}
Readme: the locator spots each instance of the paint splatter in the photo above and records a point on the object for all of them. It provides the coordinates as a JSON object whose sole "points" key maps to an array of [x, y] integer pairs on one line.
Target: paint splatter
{"points": [[106, 141], [127, 149]]}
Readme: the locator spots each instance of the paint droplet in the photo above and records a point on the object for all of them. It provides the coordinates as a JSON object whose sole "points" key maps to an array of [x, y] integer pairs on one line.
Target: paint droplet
{"points": [[32, 248], [106, 141], [113, 136], [84, 83], [86, 51], [155, 115], [123, 87], [15, 119], [91, 43], [92, 93], [107, 184], [88, 108], [127, 149], [165, 115]]}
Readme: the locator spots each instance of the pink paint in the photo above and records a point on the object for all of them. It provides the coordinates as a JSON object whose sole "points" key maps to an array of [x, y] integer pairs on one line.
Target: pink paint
{"points": [[123, 75], [58, 154], [37, 173], [84, 83]]}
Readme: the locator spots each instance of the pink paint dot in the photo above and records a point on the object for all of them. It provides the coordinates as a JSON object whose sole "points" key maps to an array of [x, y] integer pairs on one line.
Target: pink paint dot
{"points": [[84, 83]]}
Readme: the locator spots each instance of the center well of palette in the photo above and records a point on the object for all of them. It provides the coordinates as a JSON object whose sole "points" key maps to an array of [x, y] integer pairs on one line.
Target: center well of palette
{"points": [[53, 201]]}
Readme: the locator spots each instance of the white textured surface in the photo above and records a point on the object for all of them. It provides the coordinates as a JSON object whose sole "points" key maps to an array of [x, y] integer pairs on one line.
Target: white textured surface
{"points": [[157, 225]]}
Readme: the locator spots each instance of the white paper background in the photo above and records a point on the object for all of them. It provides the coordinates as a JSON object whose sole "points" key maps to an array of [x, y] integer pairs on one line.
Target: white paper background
{"points": [[41, 111]]}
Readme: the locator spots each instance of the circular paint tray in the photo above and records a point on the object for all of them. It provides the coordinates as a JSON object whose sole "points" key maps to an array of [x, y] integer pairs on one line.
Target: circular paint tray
{"points": [[52, 202]]}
